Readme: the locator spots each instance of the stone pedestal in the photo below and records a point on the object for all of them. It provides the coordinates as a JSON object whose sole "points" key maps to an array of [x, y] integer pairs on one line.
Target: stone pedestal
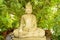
{"points": [[30, 38]]}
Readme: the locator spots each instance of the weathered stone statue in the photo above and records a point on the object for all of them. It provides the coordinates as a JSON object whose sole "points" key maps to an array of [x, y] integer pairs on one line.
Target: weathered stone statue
{"points": [[28, 27]]}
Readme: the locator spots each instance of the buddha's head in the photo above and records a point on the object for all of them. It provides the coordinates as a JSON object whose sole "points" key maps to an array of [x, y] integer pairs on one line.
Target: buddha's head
{"points": [[28, 8]]}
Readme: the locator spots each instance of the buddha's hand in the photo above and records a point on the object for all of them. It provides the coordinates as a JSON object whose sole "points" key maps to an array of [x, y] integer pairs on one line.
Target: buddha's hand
{"points": [[20, 30]]}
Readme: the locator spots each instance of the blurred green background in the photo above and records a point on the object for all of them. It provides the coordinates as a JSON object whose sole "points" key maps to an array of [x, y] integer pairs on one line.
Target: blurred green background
{"points": [[46, 11]]}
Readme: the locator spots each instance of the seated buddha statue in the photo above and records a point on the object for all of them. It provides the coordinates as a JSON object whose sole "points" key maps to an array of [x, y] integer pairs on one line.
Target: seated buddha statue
{"points": [[28, 26]]}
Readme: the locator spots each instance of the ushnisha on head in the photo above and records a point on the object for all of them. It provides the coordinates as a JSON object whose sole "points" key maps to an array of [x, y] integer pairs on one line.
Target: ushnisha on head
{"points": [[28, 9]]}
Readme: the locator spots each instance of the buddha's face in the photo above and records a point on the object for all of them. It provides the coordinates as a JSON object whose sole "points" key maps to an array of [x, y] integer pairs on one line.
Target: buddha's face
{"points": [[28, 9]]}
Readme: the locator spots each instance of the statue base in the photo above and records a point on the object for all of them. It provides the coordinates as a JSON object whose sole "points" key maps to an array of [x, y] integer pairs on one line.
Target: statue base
{"points": [[30, 38]]}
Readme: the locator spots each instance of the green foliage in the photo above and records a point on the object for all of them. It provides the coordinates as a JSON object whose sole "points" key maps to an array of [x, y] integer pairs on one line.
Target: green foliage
{"points": [[1, 37]]}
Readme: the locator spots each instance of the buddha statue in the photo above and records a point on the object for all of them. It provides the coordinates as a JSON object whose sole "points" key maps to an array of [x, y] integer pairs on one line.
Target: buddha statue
{"points": [[28, 26]]}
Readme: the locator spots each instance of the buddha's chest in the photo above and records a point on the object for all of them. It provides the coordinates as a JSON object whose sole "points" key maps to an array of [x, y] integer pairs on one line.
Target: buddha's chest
{"points": [[28, 19]]}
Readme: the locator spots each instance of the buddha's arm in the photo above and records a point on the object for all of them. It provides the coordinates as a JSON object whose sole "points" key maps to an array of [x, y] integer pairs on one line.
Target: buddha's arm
{"points": [[22, 23], [35, 22]]}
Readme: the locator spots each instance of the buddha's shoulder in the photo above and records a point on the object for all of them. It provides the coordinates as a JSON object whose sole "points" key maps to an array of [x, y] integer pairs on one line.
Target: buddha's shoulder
{"points": [[24, 15], [33, 15]]}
